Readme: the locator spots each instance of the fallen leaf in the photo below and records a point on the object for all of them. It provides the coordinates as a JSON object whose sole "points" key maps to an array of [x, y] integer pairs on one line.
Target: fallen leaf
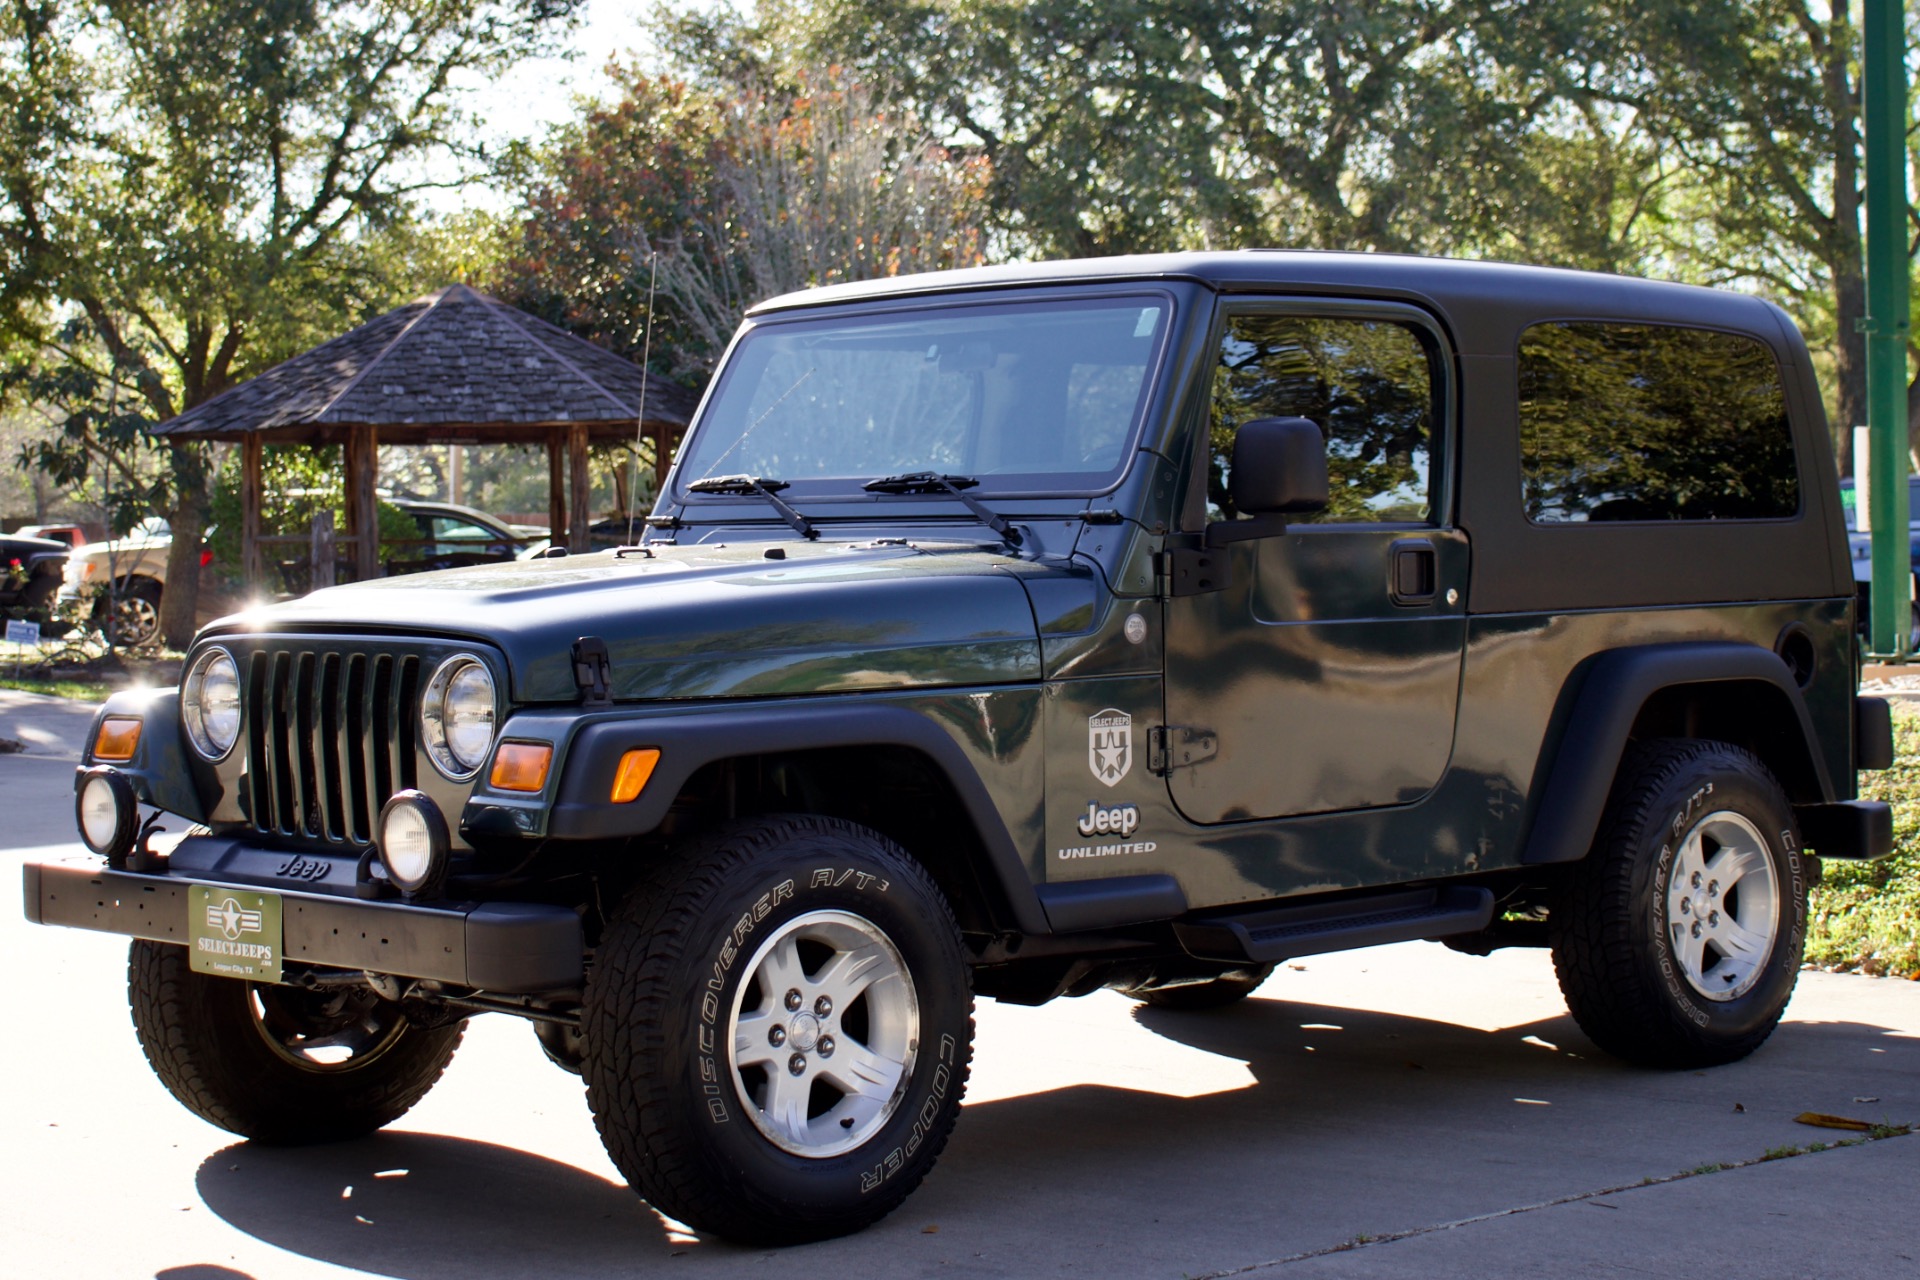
{"points": [[930, 1229], [1742, 1106], [1866, 1099], [1819, 1121]]}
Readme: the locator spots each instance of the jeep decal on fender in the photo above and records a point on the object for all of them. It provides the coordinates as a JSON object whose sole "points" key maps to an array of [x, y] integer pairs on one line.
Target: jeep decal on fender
{"points": [[1109, 745]]}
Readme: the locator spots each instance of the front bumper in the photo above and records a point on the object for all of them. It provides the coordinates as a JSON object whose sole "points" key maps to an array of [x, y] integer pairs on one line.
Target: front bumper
{"points": [[509, 947]]}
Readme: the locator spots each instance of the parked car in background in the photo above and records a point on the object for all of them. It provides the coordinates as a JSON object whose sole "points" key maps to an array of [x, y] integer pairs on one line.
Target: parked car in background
{"points": [[30, 570], [71, 535], [1860, 552], [456, 536], [131, 572]]}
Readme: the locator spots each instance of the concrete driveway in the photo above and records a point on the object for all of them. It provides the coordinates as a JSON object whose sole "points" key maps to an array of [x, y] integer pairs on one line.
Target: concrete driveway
{"points": [[1398, 1112]]}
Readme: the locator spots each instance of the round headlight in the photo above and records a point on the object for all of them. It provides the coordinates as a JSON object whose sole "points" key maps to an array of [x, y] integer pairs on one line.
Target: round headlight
{"points": [[210, 703], [413, 843], [457, 717]]}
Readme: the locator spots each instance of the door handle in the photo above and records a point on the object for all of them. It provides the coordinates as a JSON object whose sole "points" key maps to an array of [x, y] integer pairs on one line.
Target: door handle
{"points": [[1414, 573]]}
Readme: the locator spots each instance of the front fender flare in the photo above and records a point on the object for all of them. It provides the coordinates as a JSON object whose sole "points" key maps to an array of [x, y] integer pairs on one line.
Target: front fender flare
{"points": [[686, 743]]}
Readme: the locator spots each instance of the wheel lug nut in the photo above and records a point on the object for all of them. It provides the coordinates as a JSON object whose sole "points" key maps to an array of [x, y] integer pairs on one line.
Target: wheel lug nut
{"points": [[1696, 928], [793, 1000], [1695, 882], [777, 1036], [1686, 906], [1713, 918], [797, 1064], [825, 1048], [822, 1007], [1713, 888]]}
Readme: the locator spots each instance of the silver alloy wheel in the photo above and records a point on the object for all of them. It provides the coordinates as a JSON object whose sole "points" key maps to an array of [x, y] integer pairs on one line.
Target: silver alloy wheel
{"points": [[1723, 906], [824, 1031], [136, 621]]}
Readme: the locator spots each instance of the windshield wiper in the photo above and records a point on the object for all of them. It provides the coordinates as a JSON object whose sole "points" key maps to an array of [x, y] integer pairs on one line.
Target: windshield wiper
{"points": [[754, 486], [919, 482]]}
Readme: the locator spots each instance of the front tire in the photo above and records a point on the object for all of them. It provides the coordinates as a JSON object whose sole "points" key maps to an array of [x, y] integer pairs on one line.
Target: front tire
{"points": [[1678, 940], [280, 1064], [778, 1030]]}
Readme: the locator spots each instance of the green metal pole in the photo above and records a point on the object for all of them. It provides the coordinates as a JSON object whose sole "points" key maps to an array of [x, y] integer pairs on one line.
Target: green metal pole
{"points": [[1883, 51]]}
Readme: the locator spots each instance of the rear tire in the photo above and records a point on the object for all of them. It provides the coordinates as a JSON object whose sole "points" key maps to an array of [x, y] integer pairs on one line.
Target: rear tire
{"points": [[1678, 940], [778, 1028], [280, 1064]]}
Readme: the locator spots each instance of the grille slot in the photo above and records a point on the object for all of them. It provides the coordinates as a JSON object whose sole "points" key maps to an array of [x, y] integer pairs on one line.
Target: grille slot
{"points": [[330, 736]]}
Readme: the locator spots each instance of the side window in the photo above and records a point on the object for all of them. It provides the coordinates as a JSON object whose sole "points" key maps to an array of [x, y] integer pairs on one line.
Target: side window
{"points": [[1367, 384], [1652, 422]]}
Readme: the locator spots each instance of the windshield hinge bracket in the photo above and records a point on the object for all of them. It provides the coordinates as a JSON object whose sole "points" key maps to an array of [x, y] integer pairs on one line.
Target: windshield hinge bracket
{"points": [[592, 671]]}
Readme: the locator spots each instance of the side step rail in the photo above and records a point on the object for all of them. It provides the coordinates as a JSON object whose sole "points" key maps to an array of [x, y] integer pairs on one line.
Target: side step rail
{"points": [[1286, 933]]}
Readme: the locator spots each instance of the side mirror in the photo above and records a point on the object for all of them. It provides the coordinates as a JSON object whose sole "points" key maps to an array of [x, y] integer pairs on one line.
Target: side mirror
{"points": [[1279, 466]]}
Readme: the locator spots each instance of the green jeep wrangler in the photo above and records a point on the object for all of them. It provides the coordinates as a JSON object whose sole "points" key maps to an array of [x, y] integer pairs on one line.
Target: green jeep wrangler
{"points": [[1023, 632]]}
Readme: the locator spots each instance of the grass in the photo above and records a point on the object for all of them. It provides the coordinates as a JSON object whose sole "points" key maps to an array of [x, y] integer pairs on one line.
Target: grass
{"points": [[78, 690], [1865, 917]]}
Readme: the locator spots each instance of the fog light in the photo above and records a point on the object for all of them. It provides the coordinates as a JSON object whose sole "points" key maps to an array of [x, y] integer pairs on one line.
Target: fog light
{"points": [[107, 813], [412, 838]]}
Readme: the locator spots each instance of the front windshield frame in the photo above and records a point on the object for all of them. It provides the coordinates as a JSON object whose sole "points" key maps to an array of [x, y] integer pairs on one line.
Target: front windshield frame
{"points": [[1120, 295]]}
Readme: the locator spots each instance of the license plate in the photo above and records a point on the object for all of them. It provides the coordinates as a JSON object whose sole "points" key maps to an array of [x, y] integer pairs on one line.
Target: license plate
{"points": [[234, 933]]}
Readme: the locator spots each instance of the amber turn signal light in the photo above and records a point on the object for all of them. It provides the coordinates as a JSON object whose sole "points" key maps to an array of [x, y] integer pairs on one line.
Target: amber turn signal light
{"points": [[636, 767], [521, 766], [117, 739]]}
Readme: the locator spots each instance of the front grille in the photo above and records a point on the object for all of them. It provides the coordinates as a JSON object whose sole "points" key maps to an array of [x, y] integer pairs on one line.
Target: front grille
{"points": [[330, 737]]}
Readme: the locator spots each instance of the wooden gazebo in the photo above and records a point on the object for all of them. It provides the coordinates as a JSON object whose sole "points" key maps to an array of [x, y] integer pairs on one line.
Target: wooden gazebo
{"points": [[455, 367]]}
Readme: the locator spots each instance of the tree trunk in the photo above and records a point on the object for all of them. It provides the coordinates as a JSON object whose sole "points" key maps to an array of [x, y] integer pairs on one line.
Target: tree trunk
{"points": [[180, 601]]}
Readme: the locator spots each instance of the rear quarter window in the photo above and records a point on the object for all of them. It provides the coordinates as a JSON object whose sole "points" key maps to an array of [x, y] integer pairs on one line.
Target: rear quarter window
{"points": [[1627, 422]]}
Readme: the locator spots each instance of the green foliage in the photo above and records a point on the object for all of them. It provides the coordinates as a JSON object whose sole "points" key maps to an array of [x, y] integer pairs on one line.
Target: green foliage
{"points": [[1866, 915], [636, 170], [192, 191]]}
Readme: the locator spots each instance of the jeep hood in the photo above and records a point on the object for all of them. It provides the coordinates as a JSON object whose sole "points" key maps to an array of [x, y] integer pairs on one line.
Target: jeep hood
{"points": [[711, 621]]}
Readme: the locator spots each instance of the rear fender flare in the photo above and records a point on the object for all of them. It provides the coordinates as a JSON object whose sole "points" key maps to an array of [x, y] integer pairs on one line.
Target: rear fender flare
{"points": [[1605, 704]]}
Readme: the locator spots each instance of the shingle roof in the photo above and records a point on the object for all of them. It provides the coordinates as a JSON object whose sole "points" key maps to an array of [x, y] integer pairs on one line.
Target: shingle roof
{"points": [[454, 365]]}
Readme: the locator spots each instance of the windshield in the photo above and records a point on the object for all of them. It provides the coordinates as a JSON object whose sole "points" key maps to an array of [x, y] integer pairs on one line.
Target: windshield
{"points": [[1026, 397]]}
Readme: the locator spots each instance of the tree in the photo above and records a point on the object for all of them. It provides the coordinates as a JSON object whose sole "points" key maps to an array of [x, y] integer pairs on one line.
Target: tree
{"points": [[812, 188], [743, 190], [1134, 125], [1761, 101], [640, 166], [186, 192]]}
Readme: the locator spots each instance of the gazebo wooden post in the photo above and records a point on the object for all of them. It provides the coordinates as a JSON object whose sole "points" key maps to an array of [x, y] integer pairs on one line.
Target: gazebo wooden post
{"points": [[251, 449], [556, 486], [662, 457], [363, 461], [580, 514]]}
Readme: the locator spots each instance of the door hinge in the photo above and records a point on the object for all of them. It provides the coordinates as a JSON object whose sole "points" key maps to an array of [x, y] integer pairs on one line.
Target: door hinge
{"points": [[1175, 746]]}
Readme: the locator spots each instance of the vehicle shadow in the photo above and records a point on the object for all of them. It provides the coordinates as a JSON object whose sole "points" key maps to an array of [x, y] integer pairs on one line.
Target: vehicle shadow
{"points": [[1358, 1122]]}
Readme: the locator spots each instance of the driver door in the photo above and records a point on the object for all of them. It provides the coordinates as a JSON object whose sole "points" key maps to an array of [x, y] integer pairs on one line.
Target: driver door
{"points": [[1327, 668]]}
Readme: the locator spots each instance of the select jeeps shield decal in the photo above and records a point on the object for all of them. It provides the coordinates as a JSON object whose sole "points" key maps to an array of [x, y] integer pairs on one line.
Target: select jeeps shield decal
{"points": [[1110, 744]]}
